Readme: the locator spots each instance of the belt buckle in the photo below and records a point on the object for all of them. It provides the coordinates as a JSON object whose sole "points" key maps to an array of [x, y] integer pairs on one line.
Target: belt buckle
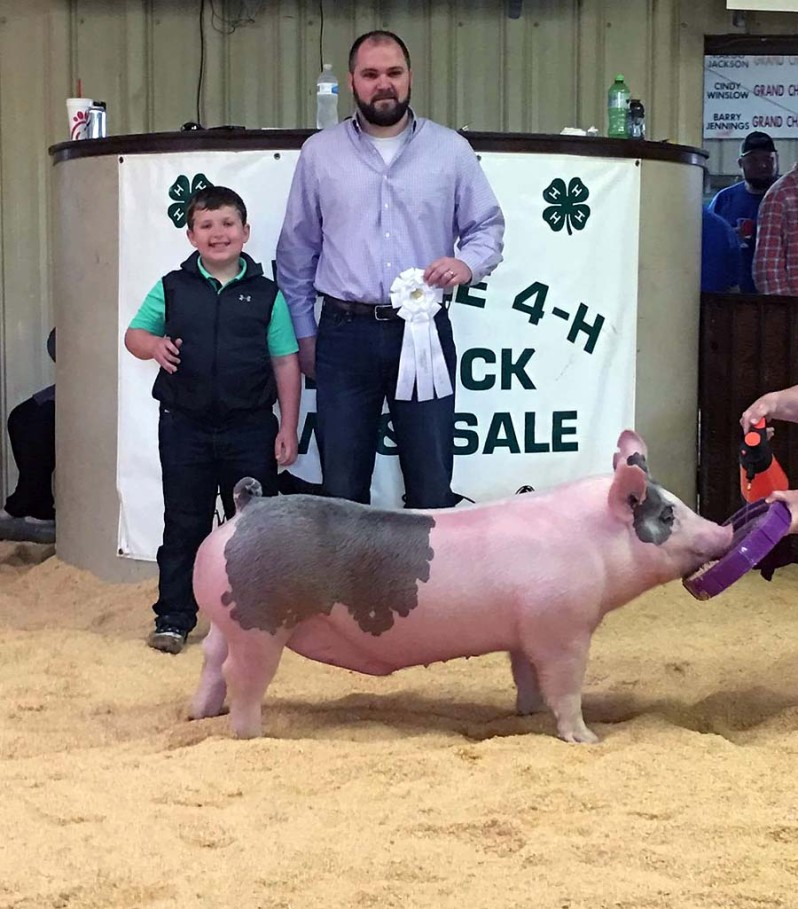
{"points": [[383, 306]]}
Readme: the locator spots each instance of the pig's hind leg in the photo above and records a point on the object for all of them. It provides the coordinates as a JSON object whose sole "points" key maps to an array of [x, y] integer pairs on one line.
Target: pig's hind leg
{"points": [[252, 660], [209, 697], [560, 668], [528, 697]]}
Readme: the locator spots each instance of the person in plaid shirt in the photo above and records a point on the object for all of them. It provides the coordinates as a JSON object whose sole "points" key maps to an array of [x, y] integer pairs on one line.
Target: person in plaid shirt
{"points": [[776, 256]]}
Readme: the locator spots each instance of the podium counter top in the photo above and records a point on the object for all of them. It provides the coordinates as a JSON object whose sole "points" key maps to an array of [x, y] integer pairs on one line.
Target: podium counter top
{"points": [[225, 139]]}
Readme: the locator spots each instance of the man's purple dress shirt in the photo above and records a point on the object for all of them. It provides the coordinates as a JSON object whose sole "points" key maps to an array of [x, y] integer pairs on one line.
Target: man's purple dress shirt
{"points": [[353, 223]]}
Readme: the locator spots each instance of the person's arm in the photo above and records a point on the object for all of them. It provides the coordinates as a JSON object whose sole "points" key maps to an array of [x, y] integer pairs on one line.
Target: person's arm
{"points": [[480, 222], [770, 255], [146, 346], [298, 250], [775, 405], [289, 388], [282, 345], [145, 336], [734, 260]]}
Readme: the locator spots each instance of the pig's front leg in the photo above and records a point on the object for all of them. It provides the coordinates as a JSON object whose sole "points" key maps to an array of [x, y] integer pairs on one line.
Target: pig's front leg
{"points": [[561, 672], [209, 697], [528, 697], [252, 660]]}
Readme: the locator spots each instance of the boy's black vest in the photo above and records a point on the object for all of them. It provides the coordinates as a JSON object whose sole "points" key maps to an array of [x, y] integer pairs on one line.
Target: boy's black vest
{"points": [[224, 358]]}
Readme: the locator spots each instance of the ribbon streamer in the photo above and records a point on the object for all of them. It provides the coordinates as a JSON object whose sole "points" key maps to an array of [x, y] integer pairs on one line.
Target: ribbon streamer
{"points": [[421, 363]]}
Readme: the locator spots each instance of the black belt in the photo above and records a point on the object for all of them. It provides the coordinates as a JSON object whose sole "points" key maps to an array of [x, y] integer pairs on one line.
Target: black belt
{"points": [[382, 312]]}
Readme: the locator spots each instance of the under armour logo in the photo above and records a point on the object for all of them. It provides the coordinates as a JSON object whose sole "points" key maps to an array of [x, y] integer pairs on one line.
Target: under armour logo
{"points": [[243, 299]]}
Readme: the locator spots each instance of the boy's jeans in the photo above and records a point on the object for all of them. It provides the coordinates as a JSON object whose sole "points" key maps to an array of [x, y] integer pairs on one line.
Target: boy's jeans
{"points": [[197, 458], [357, 362]]}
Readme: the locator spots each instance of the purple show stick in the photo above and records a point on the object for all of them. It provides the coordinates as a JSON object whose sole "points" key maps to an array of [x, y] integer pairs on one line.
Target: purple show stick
{"points": [[757, 528]]}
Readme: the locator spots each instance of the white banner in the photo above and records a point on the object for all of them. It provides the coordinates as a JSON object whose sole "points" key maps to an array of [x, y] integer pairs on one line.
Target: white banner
{"points": [[747, 92], [546, 345]]}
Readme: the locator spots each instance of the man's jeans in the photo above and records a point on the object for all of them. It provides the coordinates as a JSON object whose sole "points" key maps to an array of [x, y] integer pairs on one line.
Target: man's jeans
{"points": [[357, 363], [197, 458]]}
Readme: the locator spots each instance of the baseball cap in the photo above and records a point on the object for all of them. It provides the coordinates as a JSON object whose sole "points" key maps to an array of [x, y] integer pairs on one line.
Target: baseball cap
{"points": [[756, 141]]}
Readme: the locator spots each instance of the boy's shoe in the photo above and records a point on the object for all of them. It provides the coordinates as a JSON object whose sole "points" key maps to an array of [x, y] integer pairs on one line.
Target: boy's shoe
{"points": [[167, 639]]}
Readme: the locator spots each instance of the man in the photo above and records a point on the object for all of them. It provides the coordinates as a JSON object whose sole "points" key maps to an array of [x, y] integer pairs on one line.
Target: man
{"points": [[739, 204], [29, 512], [776, 256], [371, 197], [720, 256]]}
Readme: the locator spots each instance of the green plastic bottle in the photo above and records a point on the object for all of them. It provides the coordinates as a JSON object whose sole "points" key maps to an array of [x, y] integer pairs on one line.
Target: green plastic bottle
{"points": [[617, 109]]}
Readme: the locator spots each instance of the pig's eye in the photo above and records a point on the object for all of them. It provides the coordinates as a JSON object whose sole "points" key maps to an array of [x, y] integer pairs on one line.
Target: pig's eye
{"points": [[667, 516]]}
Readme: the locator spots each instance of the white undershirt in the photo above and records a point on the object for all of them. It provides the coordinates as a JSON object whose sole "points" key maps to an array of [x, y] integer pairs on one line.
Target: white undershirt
{"points": [[388, 146]]}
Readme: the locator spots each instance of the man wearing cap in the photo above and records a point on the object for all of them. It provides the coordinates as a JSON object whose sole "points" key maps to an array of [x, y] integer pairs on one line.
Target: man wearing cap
{"points": [[738, 204]]}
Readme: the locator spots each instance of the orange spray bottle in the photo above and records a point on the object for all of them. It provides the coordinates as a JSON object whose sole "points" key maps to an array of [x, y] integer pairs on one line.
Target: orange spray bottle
{"points": [[760, 472]]}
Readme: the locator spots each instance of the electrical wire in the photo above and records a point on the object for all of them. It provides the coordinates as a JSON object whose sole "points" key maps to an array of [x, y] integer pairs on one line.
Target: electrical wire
{"points": [[202, 58], [226, 25], [321, 35]]}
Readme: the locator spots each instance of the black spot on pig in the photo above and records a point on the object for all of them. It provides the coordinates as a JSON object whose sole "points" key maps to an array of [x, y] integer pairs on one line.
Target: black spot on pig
{"points": [[638, 460], [291, 558], [653, 517]]}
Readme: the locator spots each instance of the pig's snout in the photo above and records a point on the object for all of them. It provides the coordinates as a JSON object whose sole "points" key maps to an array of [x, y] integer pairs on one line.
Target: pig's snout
{"points": [[714, 541]]}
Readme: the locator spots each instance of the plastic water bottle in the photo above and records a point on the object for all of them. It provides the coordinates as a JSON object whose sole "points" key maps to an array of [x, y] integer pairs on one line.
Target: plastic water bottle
{"points": [[617, 109], [326, 98]]}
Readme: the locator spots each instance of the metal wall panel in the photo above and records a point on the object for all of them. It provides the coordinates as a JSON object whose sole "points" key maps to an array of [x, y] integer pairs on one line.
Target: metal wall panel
{"points": [[473, 66]]}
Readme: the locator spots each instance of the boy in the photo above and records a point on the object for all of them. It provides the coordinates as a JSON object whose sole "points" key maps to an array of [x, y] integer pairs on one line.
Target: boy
{"points": [[221, 333]]}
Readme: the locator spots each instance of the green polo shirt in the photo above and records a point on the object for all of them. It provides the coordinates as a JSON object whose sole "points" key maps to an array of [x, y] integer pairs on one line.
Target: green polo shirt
{"points": [[280, 338]]}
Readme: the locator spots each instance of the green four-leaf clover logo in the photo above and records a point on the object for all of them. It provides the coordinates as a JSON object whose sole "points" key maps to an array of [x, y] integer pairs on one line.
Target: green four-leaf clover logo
{"points": [[566, 206], [181, 191]]}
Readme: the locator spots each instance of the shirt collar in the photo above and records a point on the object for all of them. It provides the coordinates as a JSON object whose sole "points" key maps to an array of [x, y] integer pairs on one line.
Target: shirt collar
{"points": [[209, 277]]}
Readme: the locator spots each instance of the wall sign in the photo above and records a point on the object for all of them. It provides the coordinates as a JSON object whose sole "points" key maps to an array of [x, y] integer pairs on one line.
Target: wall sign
{"points": [[746, 92]]}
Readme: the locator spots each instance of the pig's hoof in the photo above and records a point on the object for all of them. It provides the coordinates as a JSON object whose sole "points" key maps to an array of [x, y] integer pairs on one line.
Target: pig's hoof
{"points": [[203, 713], [581, 736], [248, 733]]}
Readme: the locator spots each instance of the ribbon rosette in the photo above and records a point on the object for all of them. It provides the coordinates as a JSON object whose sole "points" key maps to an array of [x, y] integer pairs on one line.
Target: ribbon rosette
{"points": [[422, 362]]}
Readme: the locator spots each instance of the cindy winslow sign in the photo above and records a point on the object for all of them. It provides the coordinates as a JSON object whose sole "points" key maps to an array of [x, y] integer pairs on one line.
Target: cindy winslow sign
{"points": [[746, 92], [546, 345]]}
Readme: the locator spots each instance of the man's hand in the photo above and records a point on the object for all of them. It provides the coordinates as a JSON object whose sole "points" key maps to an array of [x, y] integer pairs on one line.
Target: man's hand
{"points": [[763, 407], [446, 273], [307, 356]]}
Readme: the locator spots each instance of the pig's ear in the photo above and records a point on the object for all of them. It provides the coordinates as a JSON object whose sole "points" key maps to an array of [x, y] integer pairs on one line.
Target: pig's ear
{"points": [[630, 444], [628, 490]]}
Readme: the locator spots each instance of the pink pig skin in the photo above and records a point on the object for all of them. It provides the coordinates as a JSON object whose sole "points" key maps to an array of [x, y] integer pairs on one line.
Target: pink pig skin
{"points": [[532, 575]]}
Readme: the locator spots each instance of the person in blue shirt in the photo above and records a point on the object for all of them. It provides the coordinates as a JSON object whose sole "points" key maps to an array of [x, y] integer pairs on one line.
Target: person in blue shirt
{"points": [[720, 256], [738, 204]]}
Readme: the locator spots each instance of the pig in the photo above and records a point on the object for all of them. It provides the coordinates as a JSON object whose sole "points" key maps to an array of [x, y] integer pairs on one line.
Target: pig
{"points": [[375, 590]]}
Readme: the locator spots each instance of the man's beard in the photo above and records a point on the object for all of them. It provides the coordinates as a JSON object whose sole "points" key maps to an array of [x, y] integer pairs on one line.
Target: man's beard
{"points": [[389, 116], [760, 184]]}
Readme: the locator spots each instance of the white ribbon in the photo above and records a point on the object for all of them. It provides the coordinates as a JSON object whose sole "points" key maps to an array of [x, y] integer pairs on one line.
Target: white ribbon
{"points": [[422, 362]]}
